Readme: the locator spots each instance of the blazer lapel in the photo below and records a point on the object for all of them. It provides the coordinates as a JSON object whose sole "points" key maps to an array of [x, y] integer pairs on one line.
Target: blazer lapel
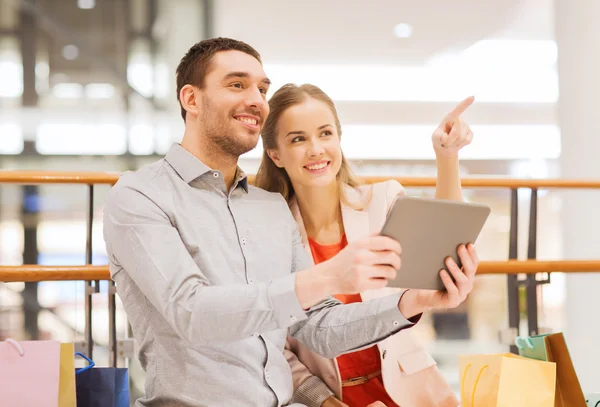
{"points": [[356, 223], [295, 209], [356, 226]]}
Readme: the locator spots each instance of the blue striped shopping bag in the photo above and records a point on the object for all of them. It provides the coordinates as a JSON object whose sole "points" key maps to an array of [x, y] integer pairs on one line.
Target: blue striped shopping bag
{"points": [[101, 386]]}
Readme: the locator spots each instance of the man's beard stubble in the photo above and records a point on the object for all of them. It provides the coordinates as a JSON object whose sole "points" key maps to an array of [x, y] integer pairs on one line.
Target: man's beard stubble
{"points": [[221, 135]]}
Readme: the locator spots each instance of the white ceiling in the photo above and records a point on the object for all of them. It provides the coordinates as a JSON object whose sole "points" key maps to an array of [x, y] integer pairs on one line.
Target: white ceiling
{"points": [[356, 32], [347, 31]]}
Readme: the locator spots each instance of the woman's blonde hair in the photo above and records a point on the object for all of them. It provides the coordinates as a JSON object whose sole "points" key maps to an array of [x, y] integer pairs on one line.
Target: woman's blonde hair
{"points": [[275, 179]]}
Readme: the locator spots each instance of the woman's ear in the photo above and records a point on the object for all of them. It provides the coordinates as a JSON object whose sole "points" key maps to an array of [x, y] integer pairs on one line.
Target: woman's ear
{"points": [[274, 156]]}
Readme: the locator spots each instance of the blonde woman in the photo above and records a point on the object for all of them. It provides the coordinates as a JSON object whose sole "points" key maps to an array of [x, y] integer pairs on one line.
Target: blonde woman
{"points": [[303, 161]]}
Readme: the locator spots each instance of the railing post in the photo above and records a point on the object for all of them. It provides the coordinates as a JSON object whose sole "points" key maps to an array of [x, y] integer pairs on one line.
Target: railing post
{"points": [[112, 325], [512, 281], [30, 217], [532, 283], [90, 288]]}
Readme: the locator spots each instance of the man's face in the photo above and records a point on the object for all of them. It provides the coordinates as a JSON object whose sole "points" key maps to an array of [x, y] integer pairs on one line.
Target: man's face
{"points": [[232, 105]]}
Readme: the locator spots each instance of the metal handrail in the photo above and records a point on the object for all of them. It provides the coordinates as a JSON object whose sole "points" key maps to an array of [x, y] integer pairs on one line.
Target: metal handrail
{"points": [[512, 268], [90, 178], [31, 273]]}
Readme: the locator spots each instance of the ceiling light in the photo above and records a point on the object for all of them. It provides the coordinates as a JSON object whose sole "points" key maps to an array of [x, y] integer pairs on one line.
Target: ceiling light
{"points": [[141, 139], [530, 54], [413, 142], [11, 78], [12, 138], [67, 90], [403, 30], [70, 52], [436, 83], [86, 4], [81, 139], [99, 91]]}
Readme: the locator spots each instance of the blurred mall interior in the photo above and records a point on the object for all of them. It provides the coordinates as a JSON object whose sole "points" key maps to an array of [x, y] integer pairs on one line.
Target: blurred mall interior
{"points": [[89, 85]]}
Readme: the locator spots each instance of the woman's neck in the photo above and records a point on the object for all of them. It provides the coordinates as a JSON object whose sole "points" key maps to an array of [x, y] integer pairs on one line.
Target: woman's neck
{"points": [[321, 213]]}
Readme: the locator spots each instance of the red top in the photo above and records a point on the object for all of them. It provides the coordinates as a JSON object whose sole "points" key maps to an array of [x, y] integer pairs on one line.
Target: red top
{"points": [[359, 363]]}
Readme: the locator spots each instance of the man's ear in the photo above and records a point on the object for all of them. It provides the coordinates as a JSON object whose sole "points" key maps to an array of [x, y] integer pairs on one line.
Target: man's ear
{"points": [[274, 155], [187, 97]]}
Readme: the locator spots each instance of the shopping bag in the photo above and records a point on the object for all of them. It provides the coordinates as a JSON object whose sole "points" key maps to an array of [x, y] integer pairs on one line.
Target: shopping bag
{"points": [[29, 373], [592, 400], [553, 348], [66, 388], [101, 386], [506, 380]]}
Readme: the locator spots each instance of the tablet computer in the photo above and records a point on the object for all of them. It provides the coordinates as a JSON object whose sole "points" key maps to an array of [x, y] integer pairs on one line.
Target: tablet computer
{"points": [[430, 230]]}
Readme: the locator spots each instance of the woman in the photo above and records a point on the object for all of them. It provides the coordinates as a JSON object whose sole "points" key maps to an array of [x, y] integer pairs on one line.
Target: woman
{"points": [[304, 162]]}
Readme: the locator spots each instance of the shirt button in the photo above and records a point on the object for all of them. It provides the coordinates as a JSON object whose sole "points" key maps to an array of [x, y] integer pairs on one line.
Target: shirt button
{"points": [[243, 240], [293, 318], [267, 375], [250, 281], [396, 323], [216, 174]]}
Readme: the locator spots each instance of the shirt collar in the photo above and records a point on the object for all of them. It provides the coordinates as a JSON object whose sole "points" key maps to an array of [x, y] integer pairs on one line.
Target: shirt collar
{"points": [[185, 164], [189, 167], [242, 179]]}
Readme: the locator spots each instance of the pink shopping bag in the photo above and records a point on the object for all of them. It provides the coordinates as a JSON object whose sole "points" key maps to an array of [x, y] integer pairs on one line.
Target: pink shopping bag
{"points": [[29, 373]]}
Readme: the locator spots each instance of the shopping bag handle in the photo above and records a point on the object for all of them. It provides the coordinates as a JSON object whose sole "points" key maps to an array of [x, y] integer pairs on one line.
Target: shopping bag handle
{"points": [[462, 386], [519, 342], [88, 367], [16, 345]]}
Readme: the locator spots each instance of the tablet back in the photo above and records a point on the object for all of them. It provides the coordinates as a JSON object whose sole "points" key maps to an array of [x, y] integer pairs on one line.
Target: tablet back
{"points": [[429, 230]]}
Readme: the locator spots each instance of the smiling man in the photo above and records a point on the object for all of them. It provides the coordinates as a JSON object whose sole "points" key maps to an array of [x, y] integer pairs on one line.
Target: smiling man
{"points": [[211, 270]]}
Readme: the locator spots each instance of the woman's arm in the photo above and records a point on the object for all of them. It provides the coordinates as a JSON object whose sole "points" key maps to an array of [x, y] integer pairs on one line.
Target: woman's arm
{"points": [[452, 134], [448, 184]]}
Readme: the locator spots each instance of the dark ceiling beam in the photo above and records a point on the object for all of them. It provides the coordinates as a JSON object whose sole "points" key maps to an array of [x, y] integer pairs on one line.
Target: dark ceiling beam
{"points": [[7, 32], [86, 49], [28, 33], [208, 14]]}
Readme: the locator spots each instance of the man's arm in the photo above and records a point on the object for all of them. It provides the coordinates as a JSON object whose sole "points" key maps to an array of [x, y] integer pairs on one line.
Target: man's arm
{"points": [[143, 243], [331, 330]]}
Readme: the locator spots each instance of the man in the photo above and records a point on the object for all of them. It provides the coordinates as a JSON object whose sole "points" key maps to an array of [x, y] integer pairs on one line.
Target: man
{"points": [[211, 270]]}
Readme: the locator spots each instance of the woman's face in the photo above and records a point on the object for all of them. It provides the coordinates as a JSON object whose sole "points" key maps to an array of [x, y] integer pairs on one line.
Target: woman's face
{"points": [[308, 144]]}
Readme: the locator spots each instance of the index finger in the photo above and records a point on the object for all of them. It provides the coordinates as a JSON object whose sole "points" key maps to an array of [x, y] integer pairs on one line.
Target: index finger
{"points": [[460, 108]]}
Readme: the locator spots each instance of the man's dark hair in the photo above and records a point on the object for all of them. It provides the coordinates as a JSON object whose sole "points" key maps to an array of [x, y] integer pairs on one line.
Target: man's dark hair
{"points": [[193, 66]]}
